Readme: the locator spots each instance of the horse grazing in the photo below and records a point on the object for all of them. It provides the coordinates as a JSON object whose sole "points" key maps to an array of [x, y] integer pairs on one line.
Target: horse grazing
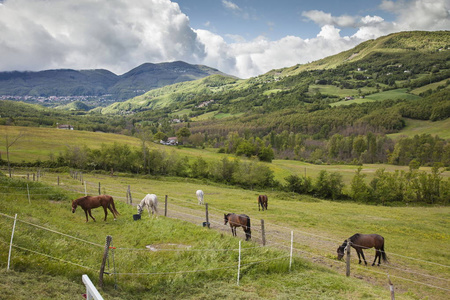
{"points": [[199, 194], [237, 221], [89, 202], [262, 202], [151, 201], [365, 241]]}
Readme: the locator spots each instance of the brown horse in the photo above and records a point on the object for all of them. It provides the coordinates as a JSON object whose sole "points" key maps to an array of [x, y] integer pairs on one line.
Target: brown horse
{"points": [[262, 202], [89, 202], [238, 221], [365, 241]]}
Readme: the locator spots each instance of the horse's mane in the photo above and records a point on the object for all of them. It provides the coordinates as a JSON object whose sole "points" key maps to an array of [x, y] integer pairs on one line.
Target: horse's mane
{"points": [[354, 237]]}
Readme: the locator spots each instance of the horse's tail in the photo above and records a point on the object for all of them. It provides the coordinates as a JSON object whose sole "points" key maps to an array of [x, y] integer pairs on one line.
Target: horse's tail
{"points": [[383, 254], [248, 232], [115, 212]]}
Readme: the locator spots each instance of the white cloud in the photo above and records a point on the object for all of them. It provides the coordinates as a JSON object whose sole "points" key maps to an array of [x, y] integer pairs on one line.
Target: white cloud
{"points": [[230, 5], [419, 14], [116, 35], [323, 18]]}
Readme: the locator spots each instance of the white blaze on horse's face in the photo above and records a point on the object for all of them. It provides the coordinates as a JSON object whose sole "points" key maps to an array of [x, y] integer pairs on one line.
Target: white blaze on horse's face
{"points": [[74, 206]]}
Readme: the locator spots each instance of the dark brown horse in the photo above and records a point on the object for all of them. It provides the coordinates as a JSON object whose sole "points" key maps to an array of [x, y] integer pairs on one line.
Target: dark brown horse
{"points": [[239, 221], [89, 202], [365, 241], [262, 202]]}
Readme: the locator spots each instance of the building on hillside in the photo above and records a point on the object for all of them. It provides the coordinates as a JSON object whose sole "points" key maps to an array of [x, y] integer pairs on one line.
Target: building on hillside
{"points": [[172, 141]]}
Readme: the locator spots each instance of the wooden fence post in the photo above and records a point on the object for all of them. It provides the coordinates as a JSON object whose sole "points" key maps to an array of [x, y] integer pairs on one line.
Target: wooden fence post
{"points": [[99, 189], [263, 233], [105, 256], [28, 192], [58, 180], [129, 192], [292, 248], [165, 207], [239, 263], [10, 244], [391, 288], [347, 273], [207, 217]]}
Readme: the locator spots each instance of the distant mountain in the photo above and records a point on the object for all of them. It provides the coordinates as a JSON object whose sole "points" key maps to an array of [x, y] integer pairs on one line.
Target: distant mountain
{"points": [[67, 82]]}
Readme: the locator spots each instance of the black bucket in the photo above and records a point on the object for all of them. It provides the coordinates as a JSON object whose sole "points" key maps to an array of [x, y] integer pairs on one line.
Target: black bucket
{"points": [[136, 217], [205, 224]]}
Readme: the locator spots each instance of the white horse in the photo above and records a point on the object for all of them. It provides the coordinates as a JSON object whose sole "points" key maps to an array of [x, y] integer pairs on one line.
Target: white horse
{"points": [[199, 194], [151, 201]]}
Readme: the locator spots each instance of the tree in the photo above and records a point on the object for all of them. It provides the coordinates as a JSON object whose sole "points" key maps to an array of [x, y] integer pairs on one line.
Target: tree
{"points": [[183, 134], [359, 190], [297, 184], [9, 144], [160, 136]]}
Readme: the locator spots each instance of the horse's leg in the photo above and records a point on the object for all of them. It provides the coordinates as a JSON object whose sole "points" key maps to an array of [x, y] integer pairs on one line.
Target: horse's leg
{"points": [[362, 254], [86, 212], [89, 211], [106, 212], [359, 255], [376, 256], [148, 209], [112, 211]]}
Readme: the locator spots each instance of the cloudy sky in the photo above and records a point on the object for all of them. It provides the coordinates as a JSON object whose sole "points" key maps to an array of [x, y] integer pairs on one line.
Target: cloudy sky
{"points": [[240, 37]]}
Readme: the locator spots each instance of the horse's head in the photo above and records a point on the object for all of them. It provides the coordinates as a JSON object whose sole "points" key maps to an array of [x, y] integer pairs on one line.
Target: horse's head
{"points": [[139, 209], [74, 206], [225, 218], [340, 252]]}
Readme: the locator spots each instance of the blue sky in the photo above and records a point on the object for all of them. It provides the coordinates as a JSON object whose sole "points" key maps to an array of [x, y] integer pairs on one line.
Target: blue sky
{"points": [[244, 38], [273, 19]]}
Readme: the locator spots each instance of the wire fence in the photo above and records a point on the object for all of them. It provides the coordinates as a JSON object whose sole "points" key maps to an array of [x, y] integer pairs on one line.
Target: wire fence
{"points": [[308, 245]]}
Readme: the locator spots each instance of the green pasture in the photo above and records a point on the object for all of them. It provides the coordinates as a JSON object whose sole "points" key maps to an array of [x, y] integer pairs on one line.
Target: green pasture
{"points": [[387, 95], [190, 261], [417, 127], [431, 86], [337, 91], [417, 240], [393, 94]]}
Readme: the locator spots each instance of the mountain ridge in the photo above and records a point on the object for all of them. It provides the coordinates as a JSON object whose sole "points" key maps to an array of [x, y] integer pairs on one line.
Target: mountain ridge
{"points": [[98, 82]]}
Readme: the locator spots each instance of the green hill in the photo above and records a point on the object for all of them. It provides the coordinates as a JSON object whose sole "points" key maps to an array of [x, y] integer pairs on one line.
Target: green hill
{"points": [[406, 60]]}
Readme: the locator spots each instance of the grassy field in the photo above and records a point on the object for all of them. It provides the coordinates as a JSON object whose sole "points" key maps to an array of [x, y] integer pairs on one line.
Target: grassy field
{"points": [[431, 86], [392, 94], [413, 127], [337, 91], [43, 143], [417, 241]]}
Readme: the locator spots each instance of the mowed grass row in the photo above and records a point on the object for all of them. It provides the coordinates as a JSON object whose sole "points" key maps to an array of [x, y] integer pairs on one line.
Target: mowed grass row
{"points": [[417, 238], [44, 143], [192, 262]]}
